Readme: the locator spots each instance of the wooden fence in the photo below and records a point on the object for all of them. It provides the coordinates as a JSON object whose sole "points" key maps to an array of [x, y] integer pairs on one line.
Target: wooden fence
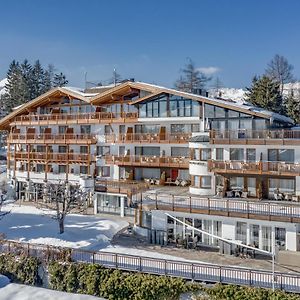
{"points": [[191, 271]]}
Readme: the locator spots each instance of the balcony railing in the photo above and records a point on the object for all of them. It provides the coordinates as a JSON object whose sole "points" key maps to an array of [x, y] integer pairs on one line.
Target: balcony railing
{"points": [[69, 138], [83, 118], [173, 138], [261, 167], [148, 161], [261, 137], [56, 157], [121, 186]]}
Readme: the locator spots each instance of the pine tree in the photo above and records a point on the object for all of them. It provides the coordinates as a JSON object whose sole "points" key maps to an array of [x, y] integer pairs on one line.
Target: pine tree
{"points": [[17, 89], [59, 80], [38, 80], [48, 78], [292, 104], [191, 78], [265, 93]]}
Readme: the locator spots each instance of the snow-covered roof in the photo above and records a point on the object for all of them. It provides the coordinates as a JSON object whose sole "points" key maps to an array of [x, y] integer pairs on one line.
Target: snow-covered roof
{"points": [[79, 91]]}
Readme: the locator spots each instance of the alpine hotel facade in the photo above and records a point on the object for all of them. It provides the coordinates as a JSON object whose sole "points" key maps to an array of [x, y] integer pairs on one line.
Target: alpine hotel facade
{"points": [[143, 150]]}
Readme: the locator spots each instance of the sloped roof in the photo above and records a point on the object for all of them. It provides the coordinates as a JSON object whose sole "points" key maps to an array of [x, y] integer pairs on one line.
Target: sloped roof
{"points": [[37, 102]]}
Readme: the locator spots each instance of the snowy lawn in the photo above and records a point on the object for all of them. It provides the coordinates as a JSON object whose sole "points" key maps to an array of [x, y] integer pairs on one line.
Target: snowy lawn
{"points": [[29, 224], [12, 291]]}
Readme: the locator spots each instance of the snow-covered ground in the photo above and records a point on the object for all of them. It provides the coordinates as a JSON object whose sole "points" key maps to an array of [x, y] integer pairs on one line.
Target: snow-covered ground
{"points": [[29, 224], [12, 291]]}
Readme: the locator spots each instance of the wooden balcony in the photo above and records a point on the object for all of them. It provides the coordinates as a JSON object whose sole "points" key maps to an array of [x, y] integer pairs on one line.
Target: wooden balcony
{"points": [[256, 137], [53, 157], [154, 138], [80, 118], [258, 168], [121, 186], [84, 139], [148, 161]]}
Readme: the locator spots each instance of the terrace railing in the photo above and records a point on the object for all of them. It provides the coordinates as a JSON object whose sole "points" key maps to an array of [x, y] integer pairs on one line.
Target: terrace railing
{"points": [[206, 272]]}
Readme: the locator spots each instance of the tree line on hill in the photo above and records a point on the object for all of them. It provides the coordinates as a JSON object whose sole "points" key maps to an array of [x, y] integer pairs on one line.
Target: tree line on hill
{"points": [[266, 91], [26, 81]]}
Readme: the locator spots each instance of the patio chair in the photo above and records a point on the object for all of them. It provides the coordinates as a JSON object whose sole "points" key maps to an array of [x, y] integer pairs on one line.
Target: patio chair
{"points": [[244, 195]]}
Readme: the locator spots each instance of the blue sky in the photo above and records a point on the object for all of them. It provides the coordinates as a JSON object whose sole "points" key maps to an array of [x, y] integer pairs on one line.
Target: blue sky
{"points": [[150, 40]]}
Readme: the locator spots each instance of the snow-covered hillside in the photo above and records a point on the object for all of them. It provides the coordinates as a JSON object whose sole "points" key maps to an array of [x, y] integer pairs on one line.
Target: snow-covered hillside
{"points": [[239, 95], [2, 86]]}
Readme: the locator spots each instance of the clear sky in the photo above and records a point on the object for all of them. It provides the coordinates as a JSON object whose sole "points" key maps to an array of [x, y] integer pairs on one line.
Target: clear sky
{"points": [[150, 40]]}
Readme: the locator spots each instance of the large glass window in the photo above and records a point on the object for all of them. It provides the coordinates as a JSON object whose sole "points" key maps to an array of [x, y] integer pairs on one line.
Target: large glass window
{"points": [[236, 154], [254, 235], [266, 238], [206, 182], [280, 237], [219, 154], [241, 232], [251, 154], [286, 155], [281, 185], [180, 151], [205, 154]]}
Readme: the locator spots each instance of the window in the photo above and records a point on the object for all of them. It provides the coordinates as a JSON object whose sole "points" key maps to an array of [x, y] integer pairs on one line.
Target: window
{"points": [[195, 127], [83, 169], [206, 182], [266, 238], [85, 129], [83, 149], [104, 171], [236, 154], [280, 237], [62, 129], [241, 232], [233, 114], [42, 129], [219, 112], [107, 129], [180, 151], [103, 150], [62, 149], [40, 168], [209, 111], [236, 182], [219, 154], [254, 235], [196, 154], [40, 148], [62, 169], [205, 154], [286, 155], [251, 154], [281, 185]]}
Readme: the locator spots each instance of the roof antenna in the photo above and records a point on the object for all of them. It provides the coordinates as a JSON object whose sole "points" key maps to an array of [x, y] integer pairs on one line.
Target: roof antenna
{"points": [[85, 77], [115, 77]]}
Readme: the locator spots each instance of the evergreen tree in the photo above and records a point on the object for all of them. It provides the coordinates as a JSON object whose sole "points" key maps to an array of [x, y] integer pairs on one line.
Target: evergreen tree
{"points": [[191, 79], [17, 89], [292, 104], [265, 93], [48, 78], [38, 80], [59, 80]]}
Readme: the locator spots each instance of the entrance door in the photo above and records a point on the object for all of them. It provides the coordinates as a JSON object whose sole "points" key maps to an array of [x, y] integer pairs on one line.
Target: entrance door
{"points": [[174, 174]]}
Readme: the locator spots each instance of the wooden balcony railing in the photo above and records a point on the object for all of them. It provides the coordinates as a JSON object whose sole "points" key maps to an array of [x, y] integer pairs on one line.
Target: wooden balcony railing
{"points": [[47, 138], [258, 137], [53, 157], [148, 161], [121, 186], [261, 167], [170, 138], [81, 118]]}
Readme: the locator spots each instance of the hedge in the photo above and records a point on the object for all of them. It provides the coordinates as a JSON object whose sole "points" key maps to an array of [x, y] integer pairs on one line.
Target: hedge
{"points": [[235, 292], [114, 284], [20, 269]]}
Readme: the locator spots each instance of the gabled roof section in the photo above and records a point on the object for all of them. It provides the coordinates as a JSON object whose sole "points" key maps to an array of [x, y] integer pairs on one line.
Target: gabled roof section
{"points": [[44, 98]]}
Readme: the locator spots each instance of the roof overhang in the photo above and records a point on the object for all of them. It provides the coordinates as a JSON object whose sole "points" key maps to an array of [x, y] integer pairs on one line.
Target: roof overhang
{"points": [[39, 101]]}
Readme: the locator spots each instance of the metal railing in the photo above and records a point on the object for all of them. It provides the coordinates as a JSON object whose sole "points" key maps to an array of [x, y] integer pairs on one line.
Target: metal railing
{"points": [[188, 270], [246, 134], [119, 186], [223, 206]]}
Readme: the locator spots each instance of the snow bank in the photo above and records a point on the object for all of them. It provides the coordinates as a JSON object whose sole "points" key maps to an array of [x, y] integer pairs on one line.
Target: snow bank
{"points": [[23, 292]]}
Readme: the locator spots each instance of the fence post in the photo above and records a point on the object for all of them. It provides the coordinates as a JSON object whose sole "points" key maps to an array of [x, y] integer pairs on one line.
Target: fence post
{"points": [[193, 273], [220, 270], [250, 277], [166, 273], [93, 258], [116, 260], [141, 264]]}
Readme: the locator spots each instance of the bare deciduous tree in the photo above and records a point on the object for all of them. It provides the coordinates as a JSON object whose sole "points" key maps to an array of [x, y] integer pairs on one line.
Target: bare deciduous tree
{"points": [[65, 199], [280, 70], [191, 78]]}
